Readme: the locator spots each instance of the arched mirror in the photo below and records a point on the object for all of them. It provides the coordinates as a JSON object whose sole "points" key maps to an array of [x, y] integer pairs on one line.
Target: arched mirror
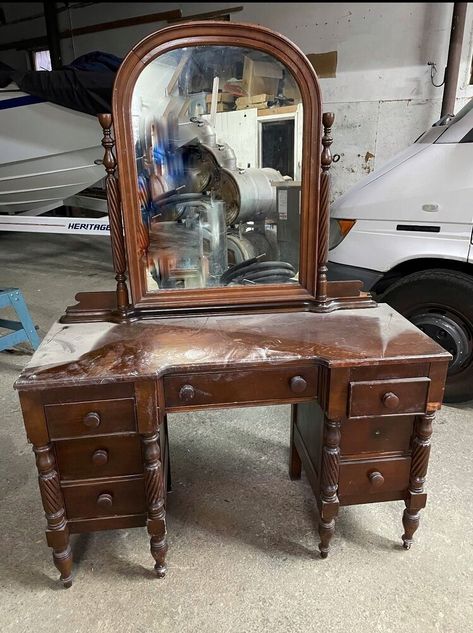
{"points": [[218, 131]]}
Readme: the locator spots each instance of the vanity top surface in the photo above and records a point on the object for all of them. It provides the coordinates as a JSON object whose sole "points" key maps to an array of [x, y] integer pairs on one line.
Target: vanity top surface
{"points": [[101, 352]]}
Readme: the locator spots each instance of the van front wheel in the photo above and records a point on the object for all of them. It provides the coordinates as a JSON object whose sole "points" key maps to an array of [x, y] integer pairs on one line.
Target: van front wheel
{"points": [[440, 303]]}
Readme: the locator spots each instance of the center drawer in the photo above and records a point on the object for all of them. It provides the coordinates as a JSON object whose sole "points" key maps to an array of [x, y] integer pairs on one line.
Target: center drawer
{"points": [[95, 457], [240, 387]]}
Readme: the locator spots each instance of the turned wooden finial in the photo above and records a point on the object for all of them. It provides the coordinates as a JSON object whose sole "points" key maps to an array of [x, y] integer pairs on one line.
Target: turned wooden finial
{"points": [[327, 120], [108, 143]]}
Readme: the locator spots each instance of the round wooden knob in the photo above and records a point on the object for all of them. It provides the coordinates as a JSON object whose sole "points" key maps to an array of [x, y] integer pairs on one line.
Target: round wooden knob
{"points": [[376, 479], [186, 393], [92, 419], [105, 501], [100, 457], [298, 384], [390, 400]]}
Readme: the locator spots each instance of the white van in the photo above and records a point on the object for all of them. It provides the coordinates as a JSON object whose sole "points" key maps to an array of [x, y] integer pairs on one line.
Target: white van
{"points": [[406, 232]]}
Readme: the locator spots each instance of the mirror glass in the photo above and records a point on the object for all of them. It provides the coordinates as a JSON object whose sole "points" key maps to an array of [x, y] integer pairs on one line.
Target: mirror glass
{"points": [[218, 141]]}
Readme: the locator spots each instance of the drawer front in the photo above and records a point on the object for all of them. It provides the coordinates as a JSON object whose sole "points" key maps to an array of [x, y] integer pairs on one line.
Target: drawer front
{"points": [[105, 498], [388, 397], [373, 477], [295, 384], [97, 417], [377, 435], [95, 457]]}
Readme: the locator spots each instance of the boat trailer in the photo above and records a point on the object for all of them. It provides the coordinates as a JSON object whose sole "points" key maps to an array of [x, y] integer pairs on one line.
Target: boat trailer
{"points": [[36, 222]]}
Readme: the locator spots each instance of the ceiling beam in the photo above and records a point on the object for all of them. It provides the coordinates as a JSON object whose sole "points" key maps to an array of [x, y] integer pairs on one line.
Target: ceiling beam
{"points": [[209, 15], [36, 42]]}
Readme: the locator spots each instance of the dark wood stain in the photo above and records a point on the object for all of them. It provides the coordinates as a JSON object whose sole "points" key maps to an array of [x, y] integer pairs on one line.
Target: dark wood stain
{"points": [[364, 383]]}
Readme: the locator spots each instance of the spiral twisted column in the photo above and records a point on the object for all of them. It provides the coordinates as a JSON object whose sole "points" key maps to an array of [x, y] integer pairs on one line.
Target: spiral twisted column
{"points": [[114, 212], [53, 503], [154, 488], [419, 462], [329, 484], [324, 212]]}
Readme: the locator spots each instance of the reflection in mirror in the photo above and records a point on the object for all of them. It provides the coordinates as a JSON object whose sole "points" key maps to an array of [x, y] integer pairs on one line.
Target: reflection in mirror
{"points": [[218, 139]]}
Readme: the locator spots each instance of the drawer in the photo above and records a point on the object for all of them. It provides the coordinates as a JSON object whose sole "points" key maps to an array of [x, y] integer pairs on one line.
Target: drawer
{"points": [[94, 417], [106, 498], [94, 457], [240, 387], [388, 397], [377, 435], [373, 477]]}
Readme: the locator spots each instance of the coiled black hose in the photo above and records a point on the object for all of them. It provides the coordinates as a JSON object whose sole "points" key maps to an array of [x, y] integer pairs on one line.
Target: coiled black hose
{"points": [[253, 271]]}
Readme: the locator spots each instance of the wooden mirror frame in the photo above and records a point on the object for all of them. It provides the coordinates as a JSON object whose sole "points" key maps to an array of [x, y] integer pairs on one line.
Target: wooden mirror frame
{"points": [[221, 34], [313, 292]]}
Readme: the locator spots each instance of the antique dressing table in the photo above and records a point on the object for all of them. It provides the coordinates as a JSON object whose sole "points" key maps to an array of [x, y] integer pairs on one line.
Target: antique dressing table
{"points": [[224, 235]]}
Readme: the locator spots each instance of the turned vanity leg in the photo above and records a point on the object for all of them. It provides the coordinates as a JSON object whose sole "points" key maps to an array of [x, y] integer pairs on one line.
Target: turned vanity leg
{"points": [[410, 522], [416, 498], [154, 488], [326, 531], [63, 562], [57, 533], [295, 464], [328, 505], [168, 474]]}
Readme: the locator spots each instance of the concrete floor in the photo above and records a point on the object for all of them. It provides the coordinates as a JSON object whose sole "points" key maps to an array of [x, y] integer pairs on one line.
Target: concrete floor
{"points": [[243, 542]]}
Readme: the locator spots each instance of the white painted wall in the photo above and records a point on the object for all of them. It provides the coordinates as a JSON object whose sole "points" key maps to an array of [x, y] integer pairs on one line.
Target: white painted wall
{"points": [[382, 95]]}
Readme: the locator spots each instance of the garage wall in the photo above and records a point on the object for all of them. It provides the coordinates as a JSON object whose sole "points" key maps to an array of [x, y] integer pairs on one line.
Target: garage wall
{"points": [[382, 94]]}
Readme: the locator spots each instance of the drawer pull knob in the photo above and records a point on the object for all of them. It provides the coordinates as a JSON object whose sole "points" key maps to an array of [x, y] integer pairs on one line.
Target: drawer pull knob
{"points": [[186, 393], [100, 457], [390, 400], [298, 384], [92, 420], [376, 479], [105, 501]]}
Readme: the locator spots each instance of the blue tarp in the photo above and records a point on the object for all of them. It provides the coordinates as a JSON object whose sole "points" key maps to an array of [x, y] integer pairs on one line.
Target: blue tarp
{"points": [[84, 85]]}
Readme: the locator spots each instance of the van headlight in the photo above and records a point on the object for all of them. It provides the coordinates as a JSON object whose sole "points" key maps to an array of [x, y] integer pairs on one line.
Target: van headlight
{"points": [[338, 231]]}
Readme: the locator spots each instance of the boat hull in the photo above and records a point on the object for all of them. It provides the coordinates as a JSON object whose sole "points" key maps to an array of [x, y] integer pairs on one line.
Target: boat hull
{"points": [[47, 153]]}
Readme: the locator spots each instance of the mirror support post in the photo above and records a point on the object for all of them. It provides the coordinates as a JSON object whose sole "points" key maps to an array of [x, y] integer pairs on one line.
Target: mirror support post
{"points": [[114, 213], [322, 250]]}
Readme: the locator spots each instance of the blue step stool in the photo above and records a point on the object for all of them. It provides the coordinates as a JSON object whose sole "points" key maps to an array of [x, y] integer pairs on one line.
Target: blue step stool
{"points": [[24, 329]]}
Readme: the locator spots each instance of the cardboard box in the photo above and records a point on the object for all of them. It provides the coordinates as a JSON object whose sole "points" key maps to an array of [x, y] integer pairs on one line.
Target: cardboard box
{"points": [[254, 101], [290, 88], [222, 97], [221, 107], [281, 110], [261, 77], [235, 88]]}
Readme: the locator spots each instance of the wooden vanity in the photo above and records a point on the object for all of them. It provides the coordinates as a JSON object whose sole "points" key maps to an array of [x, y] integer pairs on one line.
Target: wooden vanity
{"points": [[201, 325]]}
